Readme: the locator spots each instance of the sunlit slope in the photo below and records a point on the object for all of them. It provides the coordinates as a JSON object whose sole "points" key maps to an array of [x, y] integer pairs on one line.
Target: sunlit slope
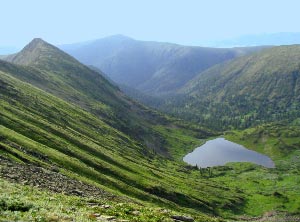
{"points": [[52, 70], [40, 128]]}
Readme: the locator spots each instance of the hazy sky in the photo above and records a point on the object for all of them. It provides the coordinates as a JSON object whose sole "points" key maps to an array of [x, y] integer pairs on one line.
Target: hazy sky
{"points": [[188, 22]]}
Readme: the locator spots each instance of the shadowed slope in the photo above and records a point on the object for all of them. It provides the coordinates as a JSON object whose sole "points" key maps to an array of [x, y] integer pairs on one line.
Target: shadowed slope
{"points": [[261, 87]]}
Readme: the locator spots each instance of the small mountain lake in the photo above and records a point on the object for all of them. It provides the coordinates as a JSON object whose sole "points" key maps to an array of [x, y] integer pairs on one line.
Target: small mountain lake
{"points": [[219, 151]]}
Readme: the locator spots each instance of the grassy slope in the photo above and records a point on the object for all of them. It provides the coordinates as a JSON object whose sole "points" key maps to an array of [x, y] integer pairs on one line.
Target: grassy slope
{"points": [[52, 70], [23, 203], [246, 91], [40, 128]]}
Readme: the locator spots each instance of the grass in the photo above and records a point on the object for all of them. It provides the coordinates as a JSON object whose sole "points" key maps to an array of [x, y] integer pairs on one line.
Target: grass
{"points": [[178, 141], [267, 189], [24, 203], [39, 128], [120, 146], [86, 148]]}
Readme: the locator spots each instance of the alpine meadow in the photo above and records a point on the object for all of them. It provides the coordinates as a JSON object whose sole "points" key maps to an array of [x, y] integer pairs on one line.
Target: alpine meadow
{"points": [[182, 122]]}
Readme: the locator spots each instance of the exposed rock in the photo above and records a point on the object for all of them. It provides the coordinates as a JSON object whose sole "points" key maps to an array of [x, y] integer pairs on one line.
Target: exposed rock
{"points": [[182, 218], [272, 216], [136, 212], [165, 211], [106, 218], [97, 214], [77, 192], [28, 174], [53, 218], [105, 206]]}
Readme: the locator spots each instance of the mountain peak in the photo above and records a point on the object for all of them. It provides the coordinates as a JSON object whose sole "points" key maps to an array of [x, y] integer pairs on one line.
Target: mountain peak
{"points": [[119, 36], [116, 38], [37, 52], [36, 42]]}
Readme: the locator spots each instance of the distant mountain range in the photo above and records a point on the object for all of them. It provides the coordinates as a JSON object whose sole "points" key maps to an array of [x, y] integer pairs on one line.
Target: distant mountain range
{"points": [[219, 88], [154, 68], [264, 39], [275, 39]]}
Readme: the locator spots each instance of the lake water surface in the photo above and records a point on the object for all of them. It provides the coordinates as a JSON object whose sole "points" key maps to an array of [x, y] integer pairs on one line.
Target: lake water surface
{"points": [[219, 151]]}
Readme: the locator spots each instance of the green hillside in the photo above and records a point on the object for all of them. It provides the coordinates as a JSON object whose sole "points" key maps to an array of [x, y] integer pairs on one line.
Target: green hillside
{"points": [[52, 70], [154, 68], [92, 153], [49, 128], [247, 91]]}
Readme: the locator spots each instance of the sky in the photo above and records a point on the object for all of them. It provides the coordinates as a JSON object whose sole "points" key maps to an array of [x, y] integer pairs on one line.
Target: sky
{"points": [[188, 22]]}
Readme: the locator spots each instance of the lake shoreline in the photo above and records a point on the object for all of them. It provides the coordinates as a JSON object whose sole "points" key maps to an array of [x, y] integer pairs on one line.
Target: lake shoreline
{"points": [[220, 151]]}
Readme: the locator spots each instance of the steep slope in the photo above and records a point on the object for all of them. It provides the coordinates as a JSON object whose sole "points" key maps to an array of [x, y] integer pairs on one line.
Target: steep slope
{"points": [[249, 90], [54, 71], [18, 202], [152, 67], [40, 128]]}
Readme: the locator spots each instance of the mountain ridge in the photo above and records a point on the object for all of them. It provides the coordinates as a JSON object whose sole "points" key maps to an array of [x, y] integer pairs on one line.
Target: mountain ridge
{"points": [[252, 89], [153, 68], [41, 126], [60, 74], [58, 115]]}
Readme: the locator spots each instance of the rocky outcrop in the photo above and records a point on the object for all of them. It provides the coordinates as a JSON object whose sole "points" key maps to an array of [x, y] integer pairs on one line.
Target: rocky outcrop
{"points": [[179, 218], [50, 179], [272, 216]]}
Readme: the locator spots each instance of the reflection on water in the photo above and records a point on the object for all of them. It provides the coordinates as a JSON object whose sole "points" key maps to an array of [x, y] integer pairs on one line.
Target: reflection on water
{"points": [[220, 151]]}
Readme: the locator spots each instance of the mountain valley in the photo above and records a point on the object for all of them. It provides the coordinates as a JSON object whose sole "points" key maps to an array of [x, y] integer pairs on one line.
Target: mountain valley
{"points": [[74, 147]]}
